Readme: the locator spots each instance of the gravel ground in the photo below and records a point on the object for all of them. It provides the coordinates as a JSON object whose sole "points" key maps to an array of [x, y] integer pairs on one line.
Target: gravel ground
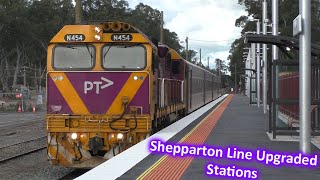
{"points": [[22, 148], [33, 166], [7, 119], [20, 127], [76, 173]]}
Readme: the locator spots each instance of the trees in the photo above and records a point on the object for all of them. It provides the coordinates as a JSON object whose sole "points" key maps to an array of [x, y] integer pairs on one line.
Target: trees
{"points": [[143, 17], [27, 26], [288, 10], [221, 66], [191, 54], [13, 40]]}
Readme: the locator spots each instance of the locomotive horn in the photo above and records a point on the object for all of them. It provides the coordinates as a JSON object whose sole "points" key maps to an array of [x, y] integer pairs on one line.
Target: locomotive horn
{"points": [[116, 26], [125, 26], [107, 26]]}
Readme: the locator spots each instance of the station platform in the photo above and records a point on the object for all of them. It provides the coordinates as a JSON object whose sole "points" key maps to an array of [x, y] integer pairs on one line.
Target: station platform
{"points": [[228, 122]]}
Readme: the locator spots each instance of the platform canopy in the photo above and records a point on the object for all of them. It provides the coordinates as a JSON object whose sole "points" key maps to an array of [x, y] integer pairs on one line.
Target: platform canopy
{"points": [[281, 42]]}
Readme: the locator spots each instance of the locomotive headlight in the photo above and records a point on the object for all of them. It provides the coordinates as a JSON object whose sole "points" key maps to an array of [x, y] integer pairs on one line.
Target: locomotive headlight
{"points": [[135, 78], [120, 136], [97, 29], [97, 37], [74, 136]]}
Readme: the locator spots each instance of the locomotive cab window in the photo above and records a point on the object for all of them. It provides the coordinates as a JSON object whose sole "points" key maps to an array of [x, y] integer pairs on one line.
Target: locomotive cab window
{"points": [[73, 57], [168, 62], [155, 61], [175, 67], [124, 57]]}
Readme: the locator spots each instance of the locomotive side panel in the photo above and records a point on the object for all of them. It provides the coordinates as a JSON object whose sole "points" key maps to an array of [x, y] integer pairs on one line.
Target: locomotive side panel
{"points": [[171, 87]]}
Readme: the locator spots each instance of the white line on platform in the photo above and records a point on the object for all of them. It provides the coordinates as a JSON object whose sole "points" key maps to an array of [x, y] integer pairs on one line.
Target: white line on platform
{"points": [[118, 165]]}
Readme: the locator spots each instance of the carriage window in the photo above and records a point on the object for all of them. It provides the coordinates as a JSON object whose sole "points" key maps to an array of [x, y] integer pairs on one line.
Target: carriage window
{"points": [[73, 57], [124, 57]]}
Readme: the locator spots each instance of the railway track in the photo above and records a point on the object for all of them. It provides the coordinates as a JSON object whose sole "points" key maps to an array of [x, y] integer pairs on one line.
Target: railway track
{"points": [[22, 148], [22, 154], [42, 137]]}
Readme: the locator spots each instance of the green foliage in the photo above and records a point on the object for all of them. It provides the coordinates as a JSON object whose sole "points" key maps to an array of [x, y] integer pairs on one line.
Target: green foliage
{"points": [[9, 108], [288, 10], [220, 64], [27, 26], [143, 17], [191, 54]]}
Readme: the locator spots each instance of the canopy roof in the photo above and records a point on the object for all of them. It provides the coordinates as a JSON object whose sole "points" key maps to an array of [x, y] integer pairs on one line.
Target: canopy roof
{"points": [[281, 42]]}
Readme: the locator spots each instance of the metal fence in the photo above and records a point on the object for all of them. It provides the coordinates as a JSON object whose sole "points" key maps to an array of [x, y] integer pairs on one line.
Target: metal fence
{"points": [[284, 116], [22, 101]]}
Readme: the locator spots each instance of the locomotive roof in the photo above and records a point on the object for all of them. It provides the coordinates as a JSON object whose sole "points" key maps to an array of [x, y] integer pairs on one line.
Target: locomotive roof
{"points": [[175, 55], [88, 32]]}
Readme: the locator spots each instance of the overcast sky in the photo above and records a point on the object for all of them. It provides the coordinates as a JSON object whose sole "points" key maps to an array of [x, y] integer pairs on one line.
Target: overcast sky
{"points": [[209, 24]]}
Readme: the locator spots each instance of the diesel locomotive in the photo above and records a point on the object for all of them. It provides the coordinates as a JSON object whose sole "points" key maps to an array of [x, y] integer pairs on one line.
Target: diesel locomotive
{"points": [[109, 87]]}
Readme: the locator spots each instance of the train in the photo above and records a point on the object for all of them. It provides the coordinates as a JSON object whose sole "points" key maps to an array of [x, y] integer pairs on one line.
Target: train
{"points": [[110, 86]]}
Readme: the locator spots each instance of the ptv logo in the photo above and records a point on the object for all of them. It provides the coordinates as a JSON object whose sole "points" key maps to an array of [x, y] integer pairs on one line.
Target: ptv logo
{"points": [[88, 85]]}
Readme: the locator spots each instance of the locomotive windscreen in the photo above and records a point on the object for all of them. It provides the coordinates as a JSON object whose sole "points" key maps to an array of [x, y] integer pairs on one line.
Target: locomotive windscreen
{"points": [[124, 57], [67, 57]]}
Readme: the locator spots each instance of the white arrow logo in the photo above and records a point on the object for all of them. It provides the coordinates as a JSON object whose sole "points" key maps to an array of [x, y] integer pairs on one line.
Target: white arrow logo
{"points": [[109, 83], [88, 85]]}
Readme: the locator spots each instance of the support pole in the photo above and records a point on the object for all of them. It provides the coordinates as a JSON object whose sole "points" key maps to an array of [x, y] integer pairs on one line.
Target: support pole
{"points": [[258, 67], [22, 97], [78, 10], [275, 27], [161, 28], [235, 78], [40, 77], [35, 77], [200, 56], [187, 50], [24, 77], [305, 76], [265, 60], [275, 56], [247, 75], [219, 68], [253, 66]]}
